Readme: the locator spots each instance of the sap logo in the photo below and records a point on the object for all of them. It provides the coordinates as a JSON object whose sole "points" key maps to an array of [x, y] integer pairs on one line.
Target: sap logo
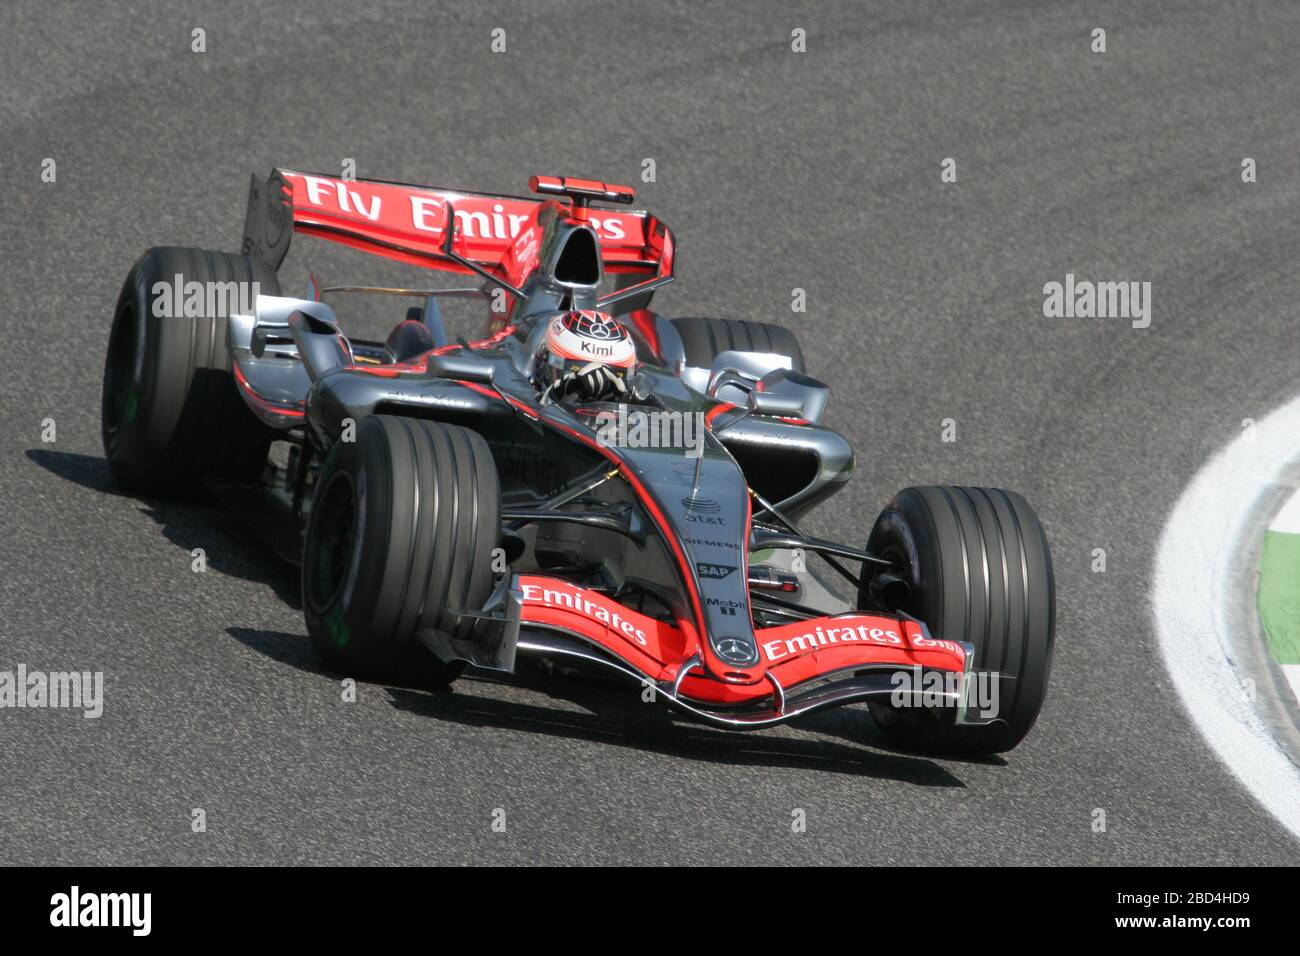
{"points": [[714, 571]]}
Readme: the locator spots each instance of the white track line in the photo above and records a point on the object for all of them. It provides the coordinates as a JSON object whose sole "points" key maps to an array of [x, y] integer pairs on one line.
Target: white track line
{"points": [[1288, 519], [1292, 672], [1194, 591]]}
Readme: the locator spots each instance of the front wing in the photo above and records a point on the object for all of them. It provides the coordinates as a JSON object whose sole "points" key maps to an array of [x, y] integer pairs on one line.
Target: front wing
{"points": [[806, 665]]}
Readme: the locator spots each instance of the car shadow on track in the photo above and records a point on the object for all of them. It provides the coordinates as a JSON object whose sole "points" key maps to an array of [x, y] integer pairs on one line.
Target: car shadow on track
{"points": [[615, 714], [283, 648], [229, 547]]}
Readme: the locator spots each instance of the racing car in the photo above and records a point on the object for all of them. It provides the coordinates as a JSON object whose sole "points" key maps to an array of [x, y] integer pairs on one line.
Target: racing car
{"points": [[591, 483]]}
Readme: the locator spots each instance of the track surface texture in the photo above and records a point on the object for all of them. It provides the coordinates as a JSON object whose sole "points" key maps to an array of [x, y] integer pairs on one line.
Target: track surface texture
{"points": [[778, 170]]}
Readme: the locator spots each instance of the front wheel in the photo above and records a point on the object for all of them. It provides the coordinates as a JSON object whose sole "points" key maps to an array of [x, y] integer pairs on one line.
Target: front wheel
{"points": [[171, 413], [974, 566], [399, 539]]}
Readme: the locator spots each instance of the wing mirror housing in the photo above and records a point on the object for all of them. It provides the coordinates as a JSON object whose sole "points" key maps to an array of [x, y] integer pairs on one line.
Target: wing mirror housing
{"points": [[462, 367], [775, 404]]}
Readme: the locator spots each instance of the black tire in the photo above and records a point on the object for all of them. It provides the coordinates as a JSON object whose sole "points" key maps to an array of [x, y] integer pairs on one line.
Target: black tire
{"points": [[703, 339], [979, 570], [426, 499], [170, 414]]}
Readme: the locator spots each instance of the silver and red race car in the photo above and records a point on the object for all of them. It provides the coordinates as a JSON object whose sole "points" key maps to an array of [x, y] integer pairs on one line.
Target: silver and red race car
{"points": [[591, 482]]}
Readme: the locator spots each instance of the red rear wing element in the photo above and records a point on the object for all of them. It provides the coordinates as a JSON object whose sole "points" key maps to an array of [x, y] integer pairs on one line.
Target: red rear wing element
{"points": [[408, 222]]}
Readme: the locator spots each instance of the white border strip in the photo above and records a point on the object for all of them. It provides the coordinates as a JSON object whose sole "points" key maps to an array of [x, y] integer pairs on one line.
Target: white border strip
{"points": [[1192, 598], [1292, 672], [1288, 519]]}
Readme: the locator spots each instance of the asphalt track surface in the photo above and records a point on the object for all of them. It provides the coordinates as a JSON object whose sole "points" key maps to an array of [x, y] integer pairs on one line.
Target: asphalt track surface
{"points": [[777, 170]]}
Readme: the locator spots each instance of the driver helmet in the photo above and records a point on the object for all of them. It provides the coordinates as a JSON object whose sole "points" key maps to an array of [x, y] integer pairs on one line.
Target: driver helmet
{"points": [[583, 343]]}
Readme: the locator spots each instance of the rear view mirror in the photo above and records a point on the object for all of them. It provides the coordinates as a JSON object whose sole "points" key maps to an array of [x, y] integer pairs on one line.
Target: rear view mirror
{"points": [[464, 368], [778, 405]]}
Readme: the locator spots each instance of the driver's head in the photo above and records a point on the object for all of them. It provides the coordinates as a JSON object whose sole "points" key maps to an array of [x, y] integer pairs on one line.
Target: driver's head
{"points": [[587, 354]]}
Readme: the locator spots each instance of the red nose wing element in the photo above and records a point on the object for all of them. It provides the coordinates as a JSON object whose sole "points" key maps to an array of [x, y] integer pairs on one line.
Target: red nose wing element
{"points": [[581, 189]]}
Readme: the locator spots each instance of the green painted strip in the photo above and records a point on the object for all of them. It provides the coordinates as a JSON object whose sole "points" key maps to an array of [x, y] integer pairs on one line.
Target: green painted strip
{"points": [[1279, 594]]}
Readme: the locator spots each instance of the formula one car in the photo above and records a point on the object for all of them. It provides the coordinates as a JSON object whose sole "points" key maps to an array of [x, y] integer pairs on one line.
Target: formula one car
{"points": [[591, 483]]}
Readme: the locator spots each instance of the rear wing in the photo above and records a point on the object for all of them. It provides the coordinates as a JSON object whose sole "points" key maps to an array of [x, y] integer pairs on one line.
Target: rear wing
{"points": [[408, 223]]}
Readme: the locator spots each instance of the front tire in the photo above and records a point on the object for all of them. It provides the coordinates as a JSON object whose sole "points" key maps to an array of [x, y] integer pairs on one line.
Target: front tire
{"points": [[977, 568], [400, 537], [170, 414]]}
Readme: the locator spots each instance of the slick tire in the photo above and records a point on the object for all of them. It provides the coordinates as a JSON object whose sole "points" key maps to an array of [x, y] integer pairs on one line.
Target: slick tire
{"points": [[978, 569], [400, 536], [704, 339], [171, 417]]}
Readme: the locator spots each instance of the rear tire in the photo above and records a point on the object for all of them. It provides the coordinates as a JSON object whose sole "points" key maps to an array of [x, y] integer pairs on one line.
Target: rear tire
{"points": [[979, 570], [704, 339], [170, 414], [400, 536]]}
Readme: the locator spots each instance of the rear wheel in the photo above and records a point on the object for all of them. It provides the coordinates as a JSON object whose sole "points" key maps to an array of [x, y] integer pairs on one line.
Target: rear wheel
{"points": [[400, 538], [975, 567], [704, 339], [170, 413]]}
